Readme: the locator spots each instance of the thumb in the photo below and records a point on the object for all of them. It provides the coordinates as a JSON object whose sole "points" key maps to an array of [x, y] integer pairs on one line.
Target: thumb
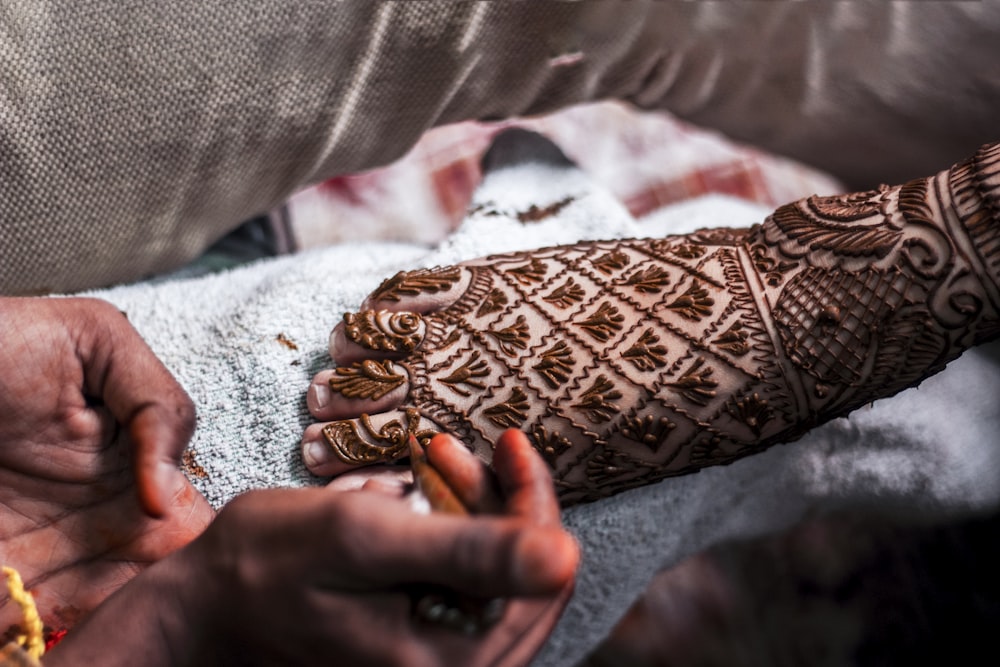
{"points": [[145, 399], [159, 434]]}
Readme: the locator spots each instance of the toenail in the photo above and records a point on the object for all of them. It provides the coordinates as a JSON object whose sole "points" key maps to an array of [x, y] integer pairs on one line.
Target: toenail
{"points": [[338, 342], [314, 453], [319, 395]]}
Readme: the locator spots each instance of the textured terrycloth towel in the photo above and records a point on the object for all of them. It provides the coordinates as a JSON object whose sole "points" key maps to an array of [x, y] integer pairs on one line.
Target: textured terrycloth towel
{"points": [[246, 343]]}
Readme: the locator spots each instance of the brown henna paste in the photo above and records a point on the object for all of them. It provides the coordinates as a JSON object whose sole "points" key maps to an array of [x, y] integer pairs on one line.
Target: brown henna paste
{"points": [[629, 361]]}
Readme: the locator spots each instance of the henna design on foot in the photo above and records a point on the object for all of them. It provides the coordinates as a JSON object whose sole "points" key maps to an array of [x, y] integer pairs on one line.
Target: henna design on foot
{"points": [[412, 283], [350, 446], [555, 365], [366, 379], [467, 374], [630, 361], [384, 330]]}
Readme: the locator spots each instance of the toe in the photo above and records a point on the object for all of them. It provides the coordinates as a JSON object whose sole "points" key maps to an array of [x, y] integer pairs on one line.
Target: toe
{"points": [[376, 334], [420, 291], [343, 445], [364, 387]]}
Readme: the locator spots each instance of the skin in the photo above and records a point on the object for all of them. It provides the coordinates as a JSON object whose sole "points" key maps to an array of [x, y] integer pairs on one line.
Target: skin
{"points": [[628, 361], [91, 497], [96, 418], [93, 427], [248, 592]]}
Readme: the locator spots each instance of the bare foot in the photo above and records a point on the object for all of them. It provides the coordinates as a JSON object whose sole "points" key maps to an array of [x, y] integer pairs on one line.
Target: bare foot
{"points": [[630, 361]]}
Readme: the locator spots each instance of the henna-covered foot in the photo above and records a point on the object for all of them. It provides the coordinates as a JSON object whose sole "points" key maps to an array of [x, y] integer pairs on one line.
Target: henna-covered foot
{"points": [[630, 361]]}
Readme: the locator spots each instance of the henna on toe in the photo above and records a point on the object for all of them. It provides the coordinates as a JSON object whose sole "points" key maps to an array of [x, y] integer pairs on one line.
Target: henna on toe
{"points": [[630, 361]]}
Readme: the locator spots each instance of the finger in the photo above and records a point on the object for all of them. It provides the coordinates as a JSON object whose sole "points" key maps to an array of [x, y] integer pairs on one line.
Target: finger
{"points": [[107, 425], [522, 631], [465, 474], [145, 398], [385, 487], [525, 479], [490, 556], [159, 435], [397, 475], [514, 640], [354, 627]]}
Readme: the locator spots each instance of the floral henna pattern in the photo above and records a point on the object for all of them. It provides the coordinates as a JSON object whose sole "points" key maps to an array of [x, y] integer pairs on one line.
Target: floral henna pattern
{"points": [[376, 444], [412, 283], [366, 379], [630, 361], [384, 330]]}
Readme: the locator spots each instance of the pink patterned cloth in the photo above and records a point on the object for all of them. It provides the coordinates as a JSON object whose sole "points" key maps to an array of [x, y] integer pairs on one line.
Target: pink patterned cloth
{"points": [[648, 160]]}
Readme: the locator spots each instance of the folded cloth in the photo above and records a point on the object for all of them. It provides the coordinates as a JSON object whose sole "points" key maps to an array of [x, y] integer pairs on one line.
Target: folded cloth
{"points": [[647, 159], [245, 344]]}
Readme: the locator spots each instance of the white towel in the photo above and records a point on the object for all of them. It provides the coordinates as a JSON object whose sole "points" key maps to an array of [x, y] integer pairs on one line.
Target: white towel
{"points": [[928, 453]]}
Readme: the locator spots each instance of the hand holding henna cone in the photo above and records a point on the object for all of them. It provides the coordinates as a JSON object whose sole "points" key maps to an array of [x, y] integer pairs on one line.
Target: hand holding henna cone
{"points": [[630, 361], [465, 614]]}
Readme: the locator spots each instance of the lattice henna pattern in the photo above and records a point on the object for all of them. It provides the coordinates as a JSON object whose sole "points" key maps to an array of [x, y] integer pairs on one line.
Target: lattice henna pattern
{"points": [[550, 445], [511, 412], [555, 365], [695, 303], [734, 340], [645, 353], [532, 272], [610, 262], [467, 375], [566, 294], [604, 322], [630, 361], [597, 402], [649, 430], [696, 384], [493, 303], [512, 338], [652, 279]]}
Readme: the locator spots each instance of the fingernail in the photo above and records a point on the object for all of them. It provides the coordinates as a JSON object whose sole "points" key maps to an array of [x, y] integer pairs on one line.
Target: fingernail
{"points": [[319, 395], [314, 453]]}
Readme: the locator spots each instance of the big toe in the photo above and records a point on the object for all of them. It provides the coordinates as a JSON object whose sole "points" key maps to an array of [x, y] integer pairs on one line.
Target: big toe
{"points": [[345, 444]]}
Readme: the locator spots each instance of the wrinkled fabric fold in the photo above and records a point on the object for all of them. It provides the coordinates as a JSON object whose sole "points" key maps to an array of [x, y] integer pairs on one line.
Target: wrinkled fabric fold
{"points": [[132, 137]]}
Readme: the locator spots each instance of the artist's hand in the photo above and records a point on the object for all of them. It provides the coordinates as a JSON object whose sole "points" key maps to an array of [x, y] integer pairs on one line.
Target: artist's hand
{"points": [[316, 577], [91, 429]]}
